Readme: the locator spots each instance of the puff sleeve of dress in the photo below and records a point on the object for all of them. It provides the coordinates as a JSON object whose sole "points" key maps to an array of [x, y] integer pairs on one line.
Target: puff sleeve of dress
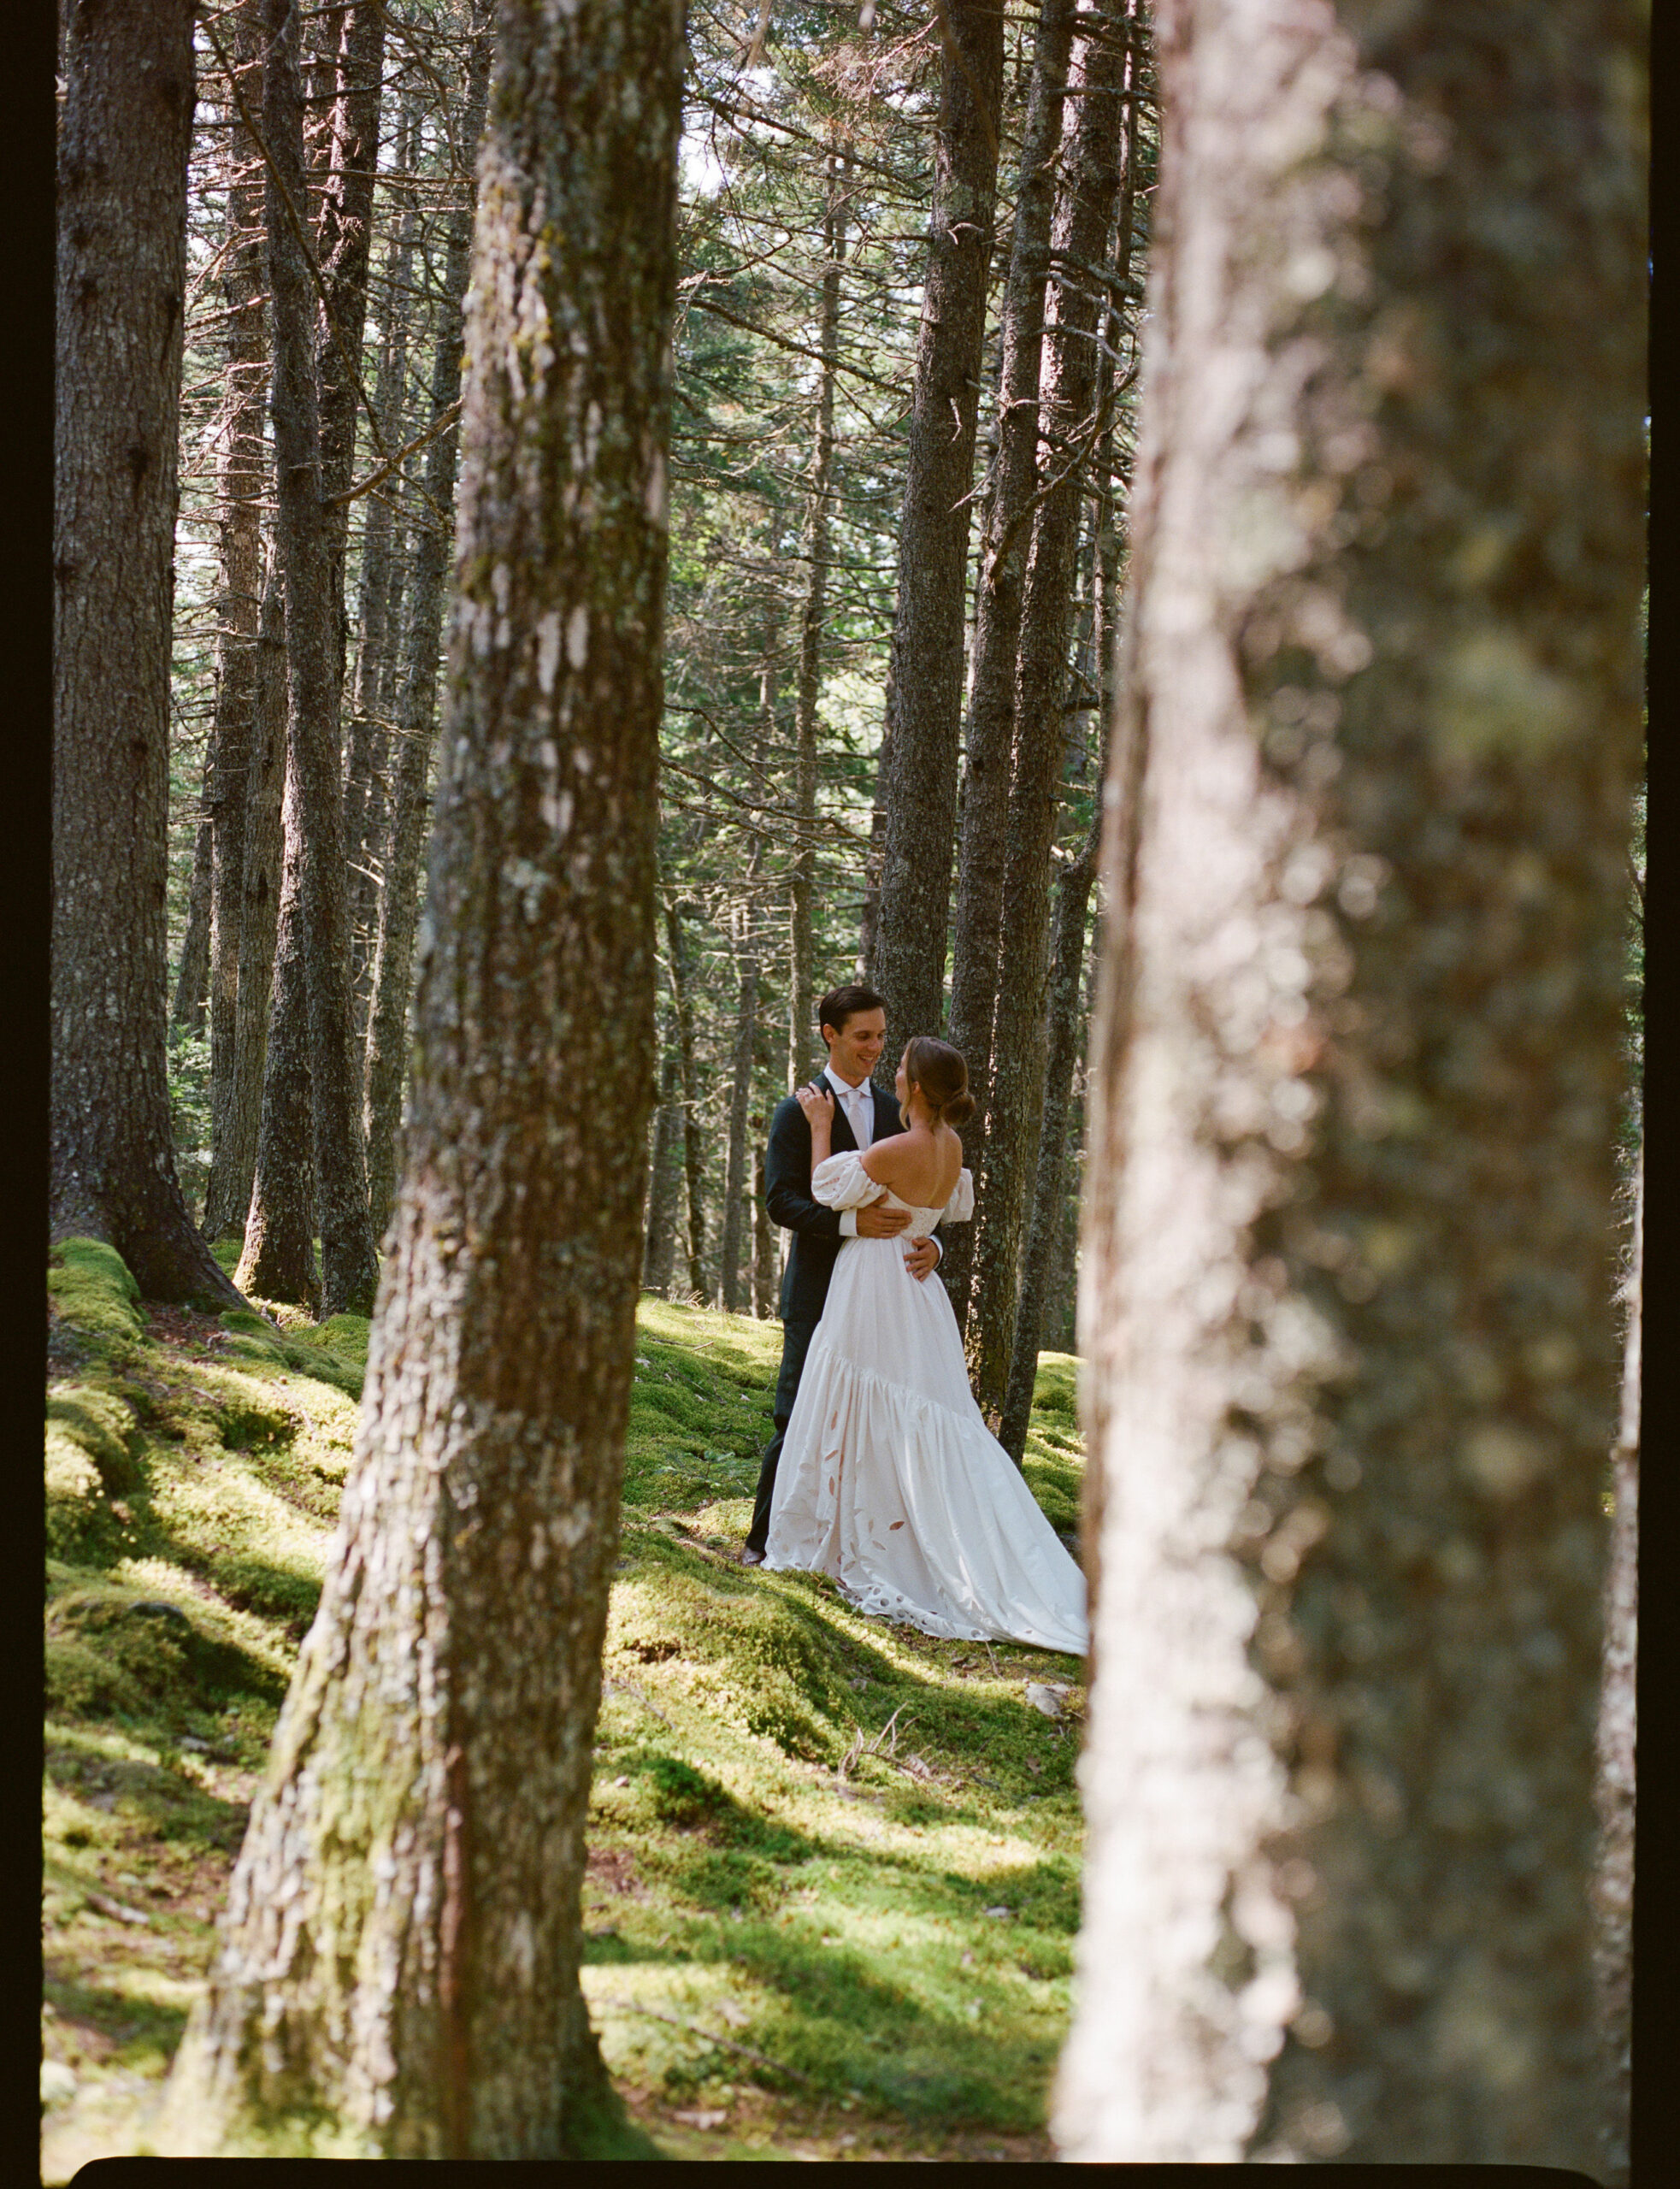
{"points": [[841, 1182], [959, 1209]]}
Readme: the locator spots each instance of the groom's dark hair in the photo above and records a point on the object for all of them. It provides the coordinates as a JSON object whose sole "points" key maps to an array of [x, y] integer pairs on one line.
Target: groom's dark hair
{"points": [[841, 1004]]}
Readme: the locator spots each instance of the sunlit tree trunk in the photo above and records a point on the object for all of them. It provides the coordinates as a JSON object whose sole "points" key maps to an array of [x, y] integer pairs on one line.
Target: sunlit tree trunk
{"points": [[398, 1969], [1346, 1305], [1613, 1882]]}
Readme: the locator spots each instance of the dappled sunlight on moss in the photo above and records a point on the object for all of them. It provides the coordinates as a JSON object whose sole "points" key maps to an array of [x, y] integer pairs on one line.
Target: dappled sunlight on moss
{"points": [[802, 1824]]}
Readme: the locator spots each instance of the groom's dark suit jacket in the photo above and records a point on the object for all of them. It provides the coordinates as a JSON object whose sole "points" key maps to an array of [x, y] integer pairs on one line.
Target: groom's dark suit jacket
{"points": [[816, 1232]]}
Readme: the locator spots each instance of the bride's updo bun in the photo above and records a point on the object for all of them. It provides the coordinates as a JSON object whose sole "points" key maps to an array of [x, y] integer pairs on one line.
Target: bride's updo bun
{"points": [[939, 1071]]}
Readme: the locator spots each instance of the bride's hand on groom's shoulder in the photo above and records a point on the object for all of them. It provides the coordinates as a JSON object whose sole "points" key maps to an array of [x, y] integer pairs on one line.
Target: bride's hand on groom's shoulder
{"points": [[817, 1103]]}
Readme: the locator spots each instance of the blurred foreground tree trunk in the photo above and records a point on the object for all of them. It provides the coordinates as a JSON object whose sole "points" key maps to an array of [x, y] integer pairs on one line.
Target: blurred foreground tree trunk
{"points": [[1348, 1292], [123, 138], [398, 1974], [917, 791], [1613, 1884]]}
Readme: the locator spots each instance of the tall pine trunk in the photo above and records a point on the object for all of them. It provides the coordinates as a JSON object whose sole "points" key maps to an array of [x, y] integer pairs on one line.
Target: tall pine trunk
{"points": [[665, 1177], [242, 469], [1346, 1307], [236, 1121], [1103, 147], [917, 791], [1003, 561], [1059, 1124], [379, 591], [303, 529], [193, 977], [736, 1250], [802, 1040], [692, 1171], [124, 136], [344, 239], [393, 970], [397, 1971]]}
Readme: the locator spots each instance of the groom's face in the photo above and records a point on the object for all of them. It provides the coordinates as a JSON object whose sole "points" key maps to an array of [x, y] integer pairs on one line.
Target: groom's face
{"points": [[855, 1050]]}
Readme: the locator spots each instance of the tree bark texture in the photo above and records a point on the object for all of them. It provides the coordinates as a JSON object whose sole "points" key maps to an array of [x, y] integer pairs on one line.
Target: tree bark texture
{"points": [[917, 792], [1618, 1725], [803, 1038], [236, 1114], [241, 469], [314, 811], [1346, 1296], [1099, 157], [392, 973], [124, 135], [401, 1947]]}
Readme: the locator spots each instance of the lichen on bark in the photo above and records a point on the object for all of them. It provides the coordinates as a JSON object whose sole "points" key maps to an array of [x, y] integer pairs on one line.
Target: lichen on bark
{"points": [[1356, 1076], [397, 1972]]}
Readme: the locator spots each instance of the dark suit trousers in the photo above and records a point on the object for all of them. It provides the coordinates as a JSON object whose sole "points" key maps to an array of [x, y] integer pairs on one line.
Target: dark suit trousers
{"points": [[796, 1339]]}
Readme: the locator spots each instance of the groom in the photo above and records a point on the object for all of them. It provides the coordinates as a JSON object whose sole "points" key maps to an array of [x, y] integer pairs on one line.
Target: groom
{"points": [[852, 1021]]}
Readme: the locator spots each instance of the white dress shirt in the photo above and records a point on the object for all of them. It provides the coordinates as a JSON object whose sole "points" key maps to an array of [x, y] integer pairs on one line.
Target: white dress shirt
{"points": [[858, 1106]]}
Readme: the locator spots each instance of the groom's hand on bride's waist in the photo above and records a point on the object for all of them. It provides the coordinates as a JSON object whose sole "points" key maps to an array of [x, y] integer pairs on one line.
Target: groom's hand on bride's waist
{"points": [[880, 1222], [922, 1259]]}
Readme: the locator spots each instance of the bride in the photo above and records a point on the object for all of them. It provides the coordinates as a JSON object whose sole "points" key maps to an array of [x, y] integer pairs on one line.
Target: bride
{"points": [[889, 1480]]}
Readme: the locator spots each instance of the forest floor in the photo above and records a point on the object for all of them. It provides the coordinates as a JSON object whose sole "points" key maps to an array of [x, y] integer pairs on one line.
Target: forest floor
{"points": [[834, 1865]]}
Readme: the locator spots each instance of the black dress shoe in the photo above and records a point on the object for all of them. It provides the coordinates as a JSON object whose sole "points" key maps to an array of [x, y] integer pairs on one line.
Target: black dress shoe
{"points": [[749, 1557]]}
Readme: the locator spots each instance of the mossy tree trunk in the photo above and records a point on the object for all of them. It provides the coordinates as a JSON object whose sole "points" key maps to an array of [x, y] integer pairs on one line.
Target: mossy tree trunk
{"points": [[400, 1952], [916, 796], [124, 135], [1347, 1302]]}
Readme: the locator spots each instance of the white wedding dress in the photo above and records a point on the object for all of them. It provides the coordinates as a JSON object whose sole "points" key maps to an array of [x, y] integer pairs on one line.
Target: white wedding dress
{"points": [[888, 1478]]}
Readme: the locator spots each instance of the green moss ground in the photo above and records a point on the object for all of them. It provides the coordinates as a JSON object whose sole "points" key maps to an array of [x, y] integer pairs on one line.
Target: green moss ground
{"points": [[834, 1865]]}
